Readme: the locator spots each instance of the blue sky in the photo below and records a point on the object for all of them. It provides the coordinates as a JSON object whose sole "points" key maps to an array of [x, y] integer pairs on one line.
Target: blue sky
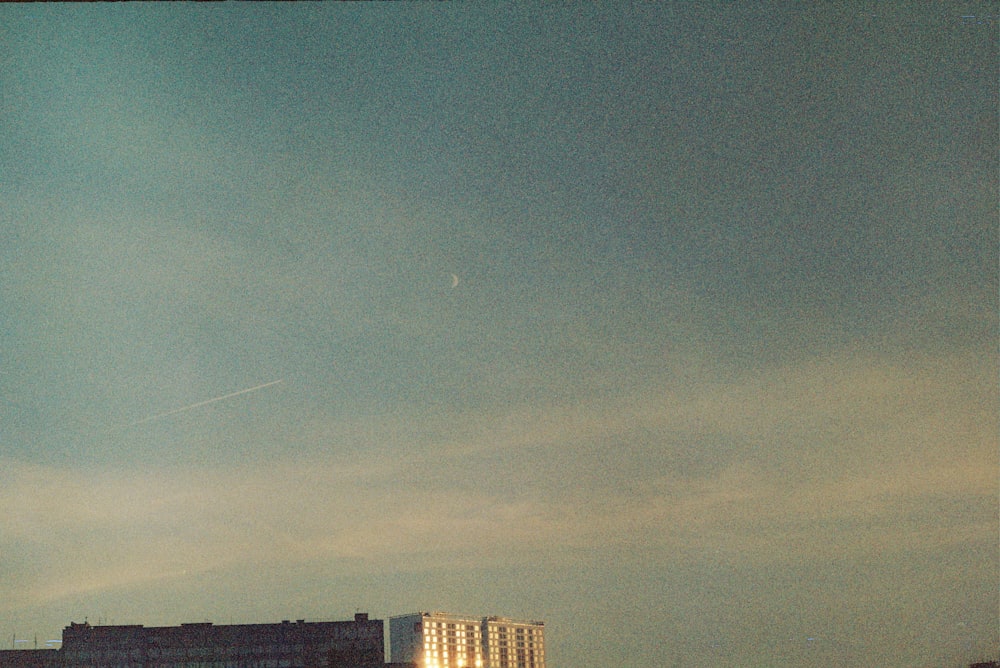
{"points": [[717, 382]]}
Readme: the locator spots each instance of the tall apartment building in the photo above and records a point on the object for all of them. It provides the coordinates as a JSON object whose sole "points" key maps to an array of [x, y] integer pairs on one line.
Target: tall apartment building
{"points": [[443, 640], [510, 643], [348, 644]]}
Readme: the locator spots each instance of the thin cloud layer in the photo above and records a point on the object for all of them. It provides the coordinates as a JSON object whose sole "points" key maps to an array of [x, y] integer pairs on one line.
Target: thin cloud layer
{"points": [[624, 476]]}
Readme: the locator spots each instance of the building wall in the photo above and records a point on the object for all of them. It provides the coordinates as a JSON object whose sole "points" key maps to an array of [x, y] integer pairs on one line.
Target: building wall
{"points": [[452, 641], [357, 644], [29, 658], [442, 640], [406, 638], [511, 643], [437, 640]]}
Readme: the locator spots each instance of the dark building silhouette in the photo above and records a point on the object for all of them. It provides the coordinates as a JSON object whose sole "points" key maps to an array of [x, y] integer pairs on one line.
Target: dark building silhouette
{"points": [[29, 658], [350, 644]]}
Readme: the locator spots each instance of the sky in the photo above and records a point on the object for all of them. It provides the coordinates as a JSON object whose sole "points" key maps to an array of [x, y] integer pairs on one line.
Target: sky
{"points": [[673, 325]]}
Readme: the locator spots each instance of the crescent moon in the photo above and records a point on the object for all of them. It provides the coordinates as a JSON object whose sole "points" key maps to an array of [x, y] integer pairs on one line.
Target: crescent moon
{"points": [[454, 280]]}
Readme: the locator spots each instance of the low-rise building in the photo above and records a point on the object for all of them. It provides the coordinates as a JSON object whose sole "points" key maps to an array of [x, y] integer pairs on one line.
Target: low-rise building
{"points": [[300, 644], [29, 658]]}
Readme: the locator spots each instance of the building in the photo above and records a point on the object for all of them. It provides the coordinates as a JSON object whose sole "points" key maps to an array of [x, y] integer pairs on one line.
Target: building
{"points": [[436, 640], [349, 644], [513, 644], [443, 640], [29, 658]]}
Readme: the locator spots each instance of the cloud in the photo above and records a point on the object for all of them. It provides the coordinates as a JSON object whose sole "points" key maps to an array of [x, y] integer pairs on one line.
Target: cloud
{"points": [[835, 458]]}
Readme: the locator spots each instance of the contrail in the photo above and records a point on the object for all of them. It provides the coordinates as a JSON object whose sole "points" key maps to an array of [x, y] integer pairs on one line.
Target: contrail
{"points": [[205, 403]]}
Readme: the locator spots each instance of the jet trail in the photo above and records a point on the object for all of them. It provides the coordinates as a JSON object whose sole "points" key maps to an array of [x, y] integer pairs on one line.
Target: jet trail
{"points": [[205, 403]]}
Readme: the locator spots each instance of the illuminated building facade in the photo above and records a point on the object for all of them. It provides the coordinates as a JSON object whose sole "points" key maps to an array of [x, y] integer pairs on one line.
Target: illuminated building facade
{"points": [[442, 640], [436, 640], [510, 643]]}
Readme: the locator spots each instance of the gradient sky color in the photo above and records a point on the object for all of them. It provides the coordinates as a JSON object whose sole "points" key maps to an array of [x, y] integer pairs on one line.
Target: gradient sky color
{"points": [[717, 383]]}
